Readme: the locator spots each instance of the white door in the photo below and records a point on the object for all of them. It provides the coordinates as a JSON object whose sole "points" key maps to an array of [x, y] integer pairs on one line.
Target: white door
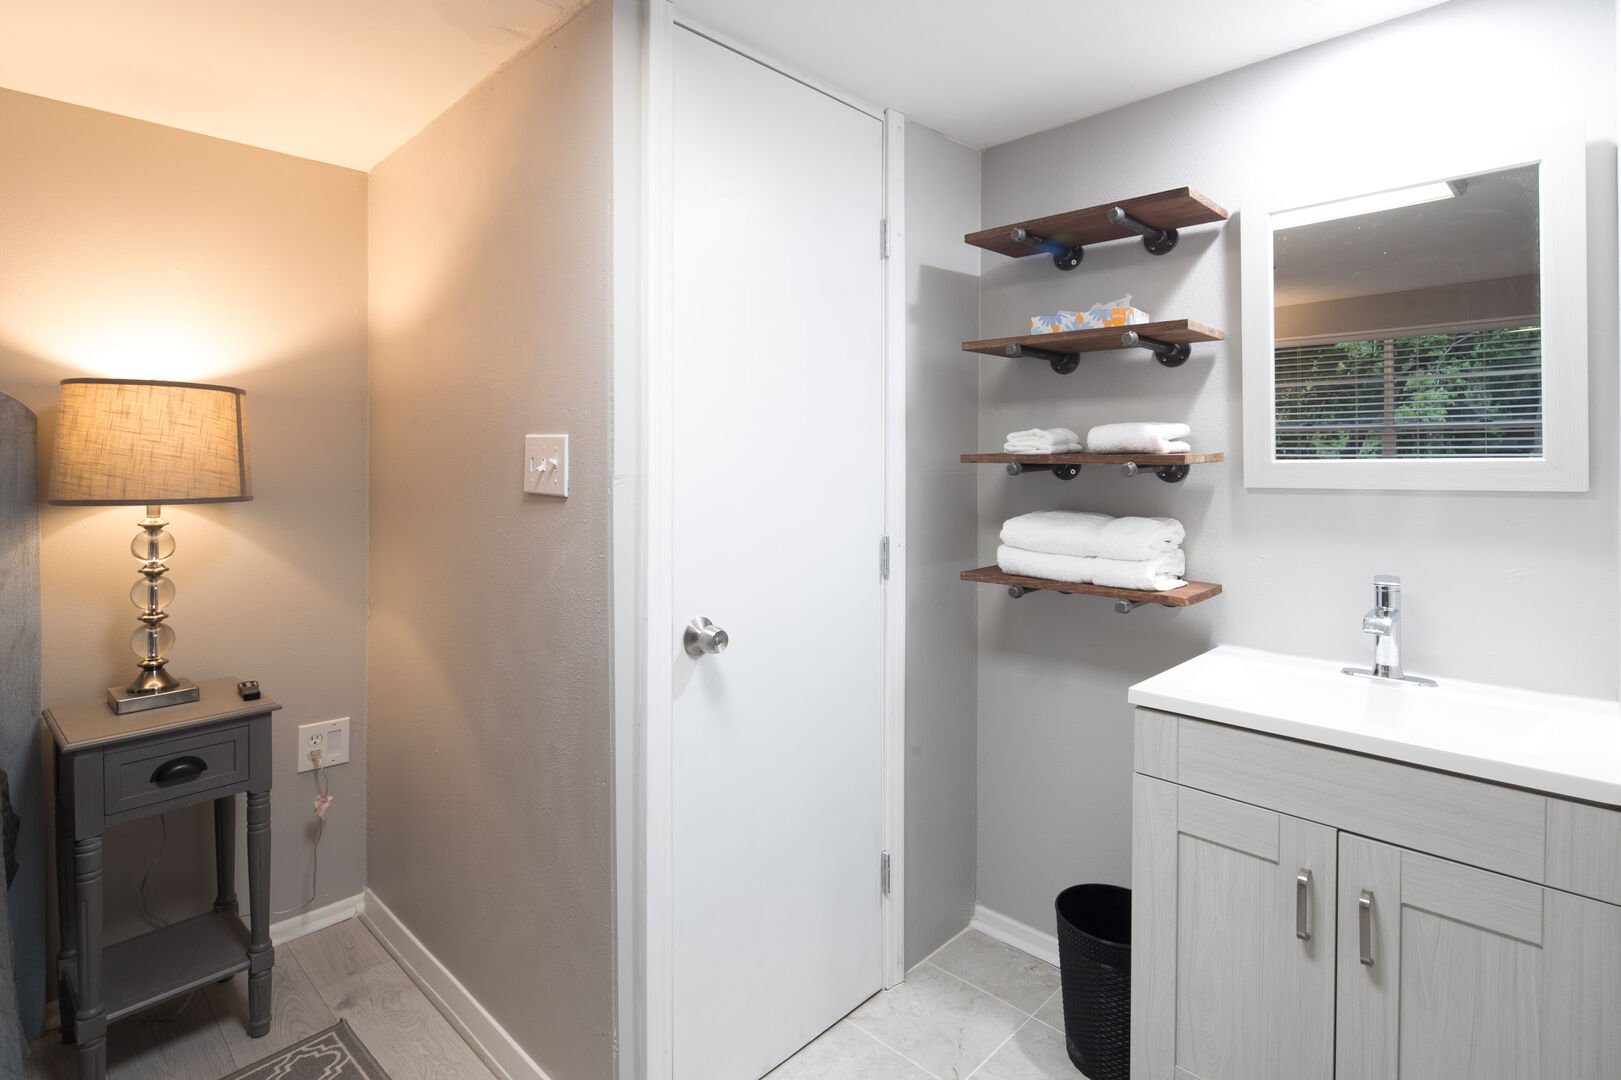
{"points": [[777, 513]]}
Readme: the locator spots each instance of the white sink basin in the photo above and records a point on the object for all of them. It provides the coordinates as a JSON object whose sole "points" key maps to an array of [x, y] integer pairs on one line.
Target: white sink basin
{"points": [[1566, 746]]}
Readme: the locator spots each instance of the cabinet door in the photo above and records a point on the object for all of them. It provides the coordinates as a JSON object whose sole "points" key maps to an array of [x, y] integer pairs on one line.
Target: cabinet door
{"points": [[1233, 940], [1451, 973]]}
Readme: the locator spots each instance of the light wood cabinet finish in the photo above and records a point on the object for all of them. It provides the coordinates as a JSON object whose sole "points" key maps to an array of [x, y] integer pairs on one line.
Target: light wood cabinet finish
{"points": [[1486, 964], [1475, 976], [1584, 849], [1503, 829], [1252, 1000]]}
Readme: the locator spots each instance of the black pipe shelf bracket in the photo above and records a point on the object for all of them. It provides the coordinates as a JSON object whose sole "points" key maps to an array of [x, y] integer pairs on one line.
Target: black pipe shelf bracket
{"points": [[1064, 257], [1060, 362], [1171, 474], [1121, 607], [1062, 471], [1165, 352], [1156, 241]]}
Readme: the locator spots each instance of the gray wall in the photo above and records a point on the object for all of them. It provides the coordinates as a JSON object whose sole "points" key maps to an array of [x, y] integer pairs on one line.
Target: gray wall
{"points": [[491, 317], [942, 400], [1054, 726], [129, 249]]}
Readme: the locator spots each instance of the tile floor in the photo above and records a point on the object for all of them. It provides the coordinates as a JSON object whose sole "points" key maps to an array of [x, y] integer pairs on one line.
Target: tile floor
{"points": [[976, 1008], [339, 972]]}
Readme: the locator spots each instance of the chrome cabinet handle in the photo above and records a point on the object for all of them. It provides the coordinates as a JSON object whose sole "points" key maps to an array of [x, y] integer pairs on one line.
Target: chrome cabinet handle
{"points": [[702, 636], [1364, 925], [1303, 905]]}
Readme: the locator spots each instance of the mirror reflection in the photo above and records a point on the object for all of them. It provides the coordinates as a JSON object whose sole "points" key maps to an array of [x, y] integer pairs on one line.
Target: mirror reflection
{"points": [[1407, 323]]}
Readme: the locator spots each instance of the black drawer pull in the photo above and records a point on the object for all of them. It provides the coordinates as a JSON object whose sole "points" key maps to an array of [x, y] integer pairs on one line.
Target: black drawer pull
{"points": [[179, 770]]}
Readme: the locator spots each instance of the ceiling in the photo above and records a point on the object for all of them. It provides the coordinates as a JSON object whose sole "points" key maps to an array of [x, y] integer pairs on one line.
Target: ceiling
{"points": [[340, 81], [988, 72], [349, 81]]}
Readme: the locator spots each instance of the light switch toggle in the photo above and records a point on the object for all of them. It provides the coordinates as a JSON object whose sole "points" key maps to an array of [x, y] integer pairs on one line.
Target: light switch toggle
{"points": [[545, 465]]}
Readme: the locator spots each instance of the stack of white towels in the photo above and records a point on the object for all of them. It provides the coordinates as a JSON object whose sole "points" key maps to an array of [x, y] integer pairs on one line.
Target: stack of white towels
{"points": [[1143, 438], [1058, 440], [1095, 549]]}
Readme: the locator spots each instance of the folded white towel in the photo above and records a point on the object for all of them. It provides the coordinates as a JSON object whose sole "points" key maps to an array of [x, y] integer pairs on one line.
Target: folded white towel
{"points": [[1138, 439], [1070, 532], [1162, 573], [1042, 441], [1043, 448]]}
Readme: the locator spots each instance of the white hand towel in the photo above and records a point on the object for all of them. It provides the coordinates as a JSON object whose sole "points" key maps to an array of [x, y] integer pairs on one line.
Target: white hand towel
{"points": [[1042, 441], [1162, 573], [1070, 532], [1138, 439]]}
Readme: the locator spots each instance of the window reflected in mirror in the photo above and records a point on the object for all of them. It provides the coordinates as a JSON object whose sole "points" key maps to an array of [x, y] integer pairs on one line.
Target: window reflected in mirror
{"points": [[1408, 323]]}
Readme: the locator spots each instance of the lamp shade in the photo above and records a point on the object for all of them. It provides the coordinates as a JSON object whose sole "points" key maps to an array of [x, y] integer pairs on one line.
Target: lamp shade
{"points": [[138, 442]]}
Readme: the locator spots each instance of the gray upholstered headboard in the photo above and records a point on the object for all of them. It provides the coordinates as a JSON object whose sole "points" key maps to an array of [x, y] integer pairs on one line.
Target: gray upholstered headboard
{"points": [[20, 700]]}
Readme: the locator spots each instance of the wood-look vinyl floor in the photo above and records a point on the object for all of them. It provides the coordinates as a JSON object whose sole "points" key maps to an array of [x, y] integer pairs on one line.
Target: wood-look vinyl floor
{"points": [[337, 973]]}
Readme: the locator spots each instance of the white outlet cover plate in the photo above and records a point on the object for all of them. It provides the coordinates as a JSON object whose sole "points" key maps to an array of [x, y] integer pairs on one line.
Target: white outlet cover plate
{"points": [[545, 465], [332, 736]]}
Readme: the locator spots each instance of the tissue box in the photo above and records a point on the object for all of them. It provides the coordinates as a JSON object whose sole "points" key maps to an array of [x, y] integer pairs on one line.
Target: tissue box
{"points": [[1114, 316], [1056, 323], [1109, 313]]}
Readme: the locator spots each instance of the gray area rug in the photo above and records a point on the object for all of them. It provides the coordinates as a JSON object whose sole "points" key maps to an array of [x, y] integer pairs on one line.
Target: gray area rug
{"points": [[334, 1054]]}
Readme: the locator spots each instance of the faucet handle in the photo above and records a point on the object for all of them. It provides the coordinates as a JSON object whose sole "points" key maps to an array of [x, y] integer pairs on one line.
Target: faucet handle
{"points": [[1376, 624]]}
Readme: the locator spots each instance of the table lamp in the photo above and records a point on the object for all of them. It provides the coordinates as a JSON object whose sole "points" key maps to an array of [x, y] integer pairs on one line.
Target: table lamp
{"points": [[138, 442]]}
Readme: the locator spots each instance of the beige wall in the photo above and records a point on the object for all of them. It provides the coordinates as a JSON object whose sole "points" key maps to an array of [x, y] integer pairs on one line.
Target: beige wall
{"points": [[489, 653], [128, 249]]}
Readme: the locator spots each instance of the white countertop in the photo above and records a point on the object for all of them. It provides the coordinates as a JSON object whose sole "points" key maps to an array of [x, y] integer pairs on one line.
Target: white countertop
{"points": [[1561, 745]]}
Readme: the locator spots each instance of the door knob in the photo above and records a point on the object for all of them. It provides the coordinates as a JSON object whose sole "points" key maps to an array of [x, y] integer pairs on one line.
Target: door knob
{"points": [[703, 636]]}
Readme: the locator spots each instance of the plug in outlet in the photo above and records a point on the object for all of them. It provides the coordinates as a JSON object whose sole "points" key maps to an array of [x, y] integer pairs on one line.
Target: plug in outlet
{"points": [[330, 737]]}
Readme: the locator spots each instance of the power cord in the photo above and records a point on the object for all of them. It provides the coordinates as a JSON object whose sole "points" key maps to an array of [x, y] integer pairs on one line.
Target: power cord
{"points": [[322, 801], [146, 875]]}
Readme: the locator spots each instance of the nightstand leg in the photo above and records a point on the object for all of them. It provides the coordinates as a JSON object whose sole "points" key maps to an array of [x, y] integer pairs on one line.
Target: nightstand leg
{"points": [[67, 954], [225, 853], [260, 955], [90, 1017]]}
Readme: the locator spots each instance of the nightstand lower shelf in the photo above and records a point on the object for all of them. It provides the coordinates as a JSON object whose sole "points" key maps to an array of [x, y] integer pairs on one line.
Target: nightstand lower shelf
{"points": [[173, 960], [1194, 592]]}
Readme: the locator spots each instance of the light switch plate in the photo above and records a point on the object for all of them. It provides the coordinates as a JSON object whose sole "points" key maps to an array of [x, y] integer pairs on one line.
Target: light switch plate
{"points": [[331, 737], [545, 465]]}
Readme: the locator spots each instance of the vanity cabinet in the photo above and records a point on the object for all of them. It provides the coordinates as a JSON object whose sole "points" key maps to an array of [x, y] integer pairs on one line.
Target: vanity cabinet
{"points": [[1306, 913]]}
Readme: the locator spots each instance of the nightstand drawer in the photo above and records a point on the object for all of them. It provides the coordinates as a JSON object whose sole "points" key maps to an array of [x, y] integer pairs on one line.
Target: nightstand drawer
{"points": [[174, 768]]}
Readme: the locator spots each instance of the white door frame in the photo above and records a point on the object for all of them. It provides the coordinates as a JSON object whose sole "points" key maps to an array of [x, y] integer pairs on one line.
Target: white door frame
{"points": [[644, 645]]}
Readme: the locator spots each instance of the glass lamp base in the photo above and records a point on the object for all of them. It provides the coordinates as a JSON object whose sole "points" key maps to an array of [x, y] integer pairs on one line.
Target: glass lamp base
{"points": [[122, 700]]}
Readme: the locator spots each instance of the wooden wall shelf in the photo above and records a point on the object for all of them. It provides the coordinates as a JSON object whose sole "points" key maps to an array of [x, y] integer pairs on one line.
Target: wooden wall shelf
{"points": [[1156, 218], [1168, 467], [1170, 340], [1194, 592]]}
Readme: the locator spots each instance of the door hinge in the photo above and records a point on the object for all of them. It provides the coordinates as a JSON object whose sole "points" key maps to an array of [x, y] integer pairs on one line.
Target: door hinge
{"points": [[883, 871], [883, 238], [883, 558]]}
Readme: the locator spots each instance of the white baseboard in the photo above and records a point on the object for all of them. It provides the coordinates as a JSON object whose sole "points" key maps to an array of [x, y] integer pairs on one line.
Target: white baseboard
{"points": [[471, 1020], [1038, 943], [308, 922]]}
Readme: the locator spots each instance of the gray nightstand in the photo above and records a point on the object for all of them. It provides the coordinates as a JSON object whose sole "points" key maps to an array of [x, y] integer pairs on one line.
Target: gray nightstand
{"points": [[111, 769]]}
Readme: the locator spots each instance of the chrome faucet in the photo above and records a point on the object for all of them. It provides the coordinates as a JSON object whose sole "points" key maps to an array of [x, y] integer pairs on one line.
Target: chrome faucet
{"points": [[1383, 621]]}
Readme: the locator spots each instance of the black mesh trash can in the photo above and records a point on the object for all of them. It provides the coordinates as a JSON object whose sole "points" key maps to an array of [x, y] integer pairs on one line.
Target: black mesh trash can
{"points": [[1094, 955]]}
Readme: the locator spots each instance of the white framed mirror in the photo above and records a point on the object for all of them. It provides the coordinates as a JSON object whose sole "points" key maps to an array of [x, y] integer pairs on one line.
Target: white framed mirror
{"points": [[1420, 327]]}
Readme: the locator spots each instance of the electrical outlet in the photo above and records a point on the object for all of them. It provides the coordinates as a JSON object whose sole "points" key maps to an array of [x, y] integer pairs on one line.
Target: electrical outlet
{"points": [[545, 465], [330, 737]]}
